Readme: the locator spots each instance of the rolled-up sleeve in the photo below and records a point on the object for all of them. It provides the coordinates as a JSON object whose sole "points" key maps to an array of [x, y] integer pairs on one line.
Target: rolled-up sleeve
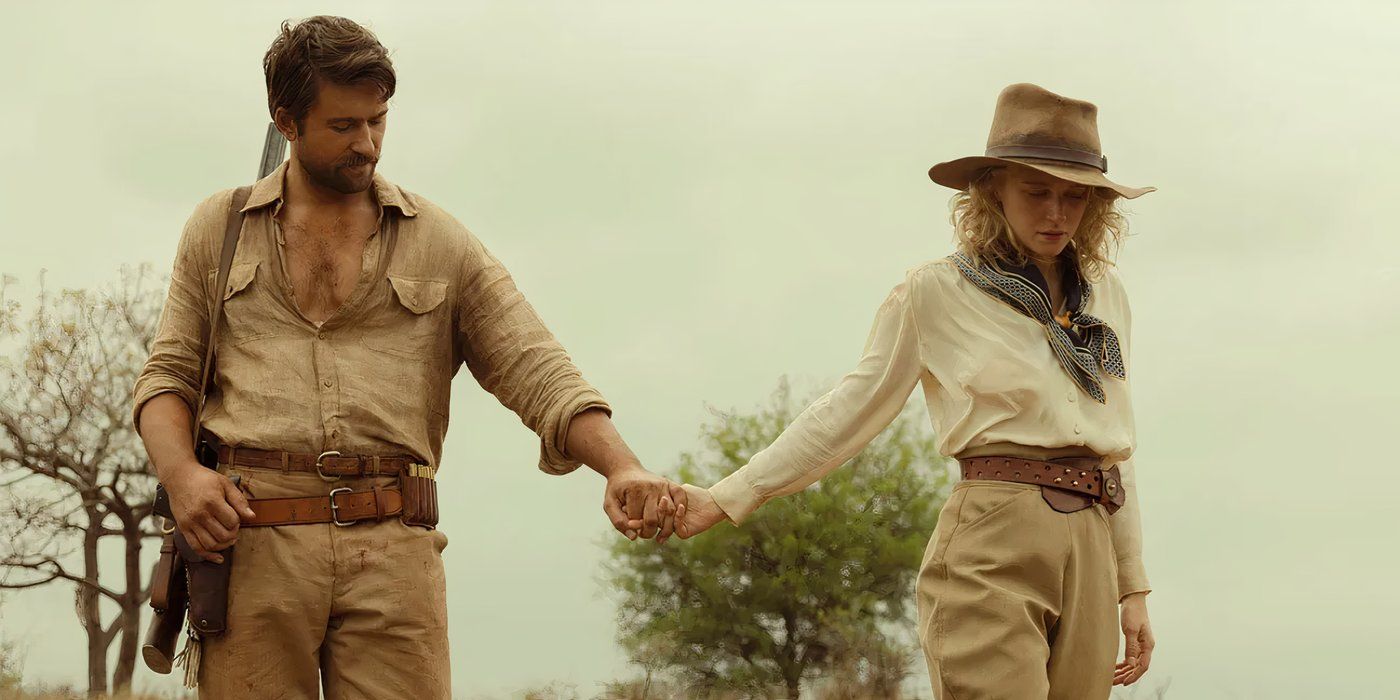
{"points": [[177, 350], [507, 347], [841, 423]]}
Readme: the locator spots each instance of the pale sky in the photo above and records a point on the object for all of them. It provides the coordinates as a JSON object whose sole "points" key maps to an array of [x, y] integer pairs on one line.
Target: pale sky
{"points": [[702, 197]]}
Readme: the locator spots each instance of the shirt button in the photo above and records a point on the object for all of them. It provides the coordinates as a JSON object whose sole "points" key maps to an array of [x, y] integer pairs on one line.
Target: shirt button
{"points": [[1077, 430], [327, 384], [1073, 397], [320, 336]]}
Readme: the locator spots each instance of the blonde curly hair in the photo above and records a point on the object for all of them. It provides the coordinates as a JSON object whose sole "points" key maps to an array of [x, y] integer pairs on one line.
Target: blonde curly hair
{"points": [[984, 234]]}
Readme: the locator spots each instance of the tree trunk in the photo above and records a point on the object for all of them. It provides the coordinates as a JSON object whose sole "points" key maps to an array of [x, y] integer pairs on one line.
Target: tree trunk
{"points": [[88, 610], [794, 687], [97, 652], [790, 664], [130, 610], [126, 650]]}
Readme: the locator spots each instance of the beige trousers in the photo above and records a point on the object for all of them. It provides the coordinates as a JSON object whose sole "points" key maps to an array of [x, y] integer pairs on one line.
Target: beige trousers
{"points": [[1018, 601], [354, 612]]}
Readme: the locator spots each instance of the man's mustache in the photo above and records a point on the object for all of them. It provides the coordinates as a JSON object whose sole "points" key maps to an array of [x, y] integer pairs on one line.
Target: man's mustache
{"points": [[359, 161]]}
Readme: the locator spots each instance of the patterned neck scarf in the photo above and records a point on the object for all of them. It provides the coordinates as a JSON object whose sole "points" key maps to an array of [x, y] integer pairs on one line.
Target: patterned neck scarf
{"points": [[1082, 343]]}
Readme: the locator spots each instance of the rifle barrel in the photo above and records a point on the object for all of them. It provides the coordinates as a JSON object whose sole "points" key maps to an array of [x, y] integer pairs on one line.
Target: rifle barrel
{"points": [[274, 150]]}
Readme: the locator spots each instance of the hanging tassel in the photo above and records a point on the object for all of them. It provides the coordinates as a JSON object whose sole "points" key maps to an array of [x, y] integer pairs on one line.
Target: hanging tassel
{"points": [[189, 657]]}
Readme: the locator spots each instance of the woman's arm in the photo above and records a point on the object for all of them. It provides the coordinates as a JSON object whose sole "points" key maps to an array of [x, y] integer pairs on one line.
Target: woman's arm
{"points": [[838, 425], [1125, 527], [1126, 530]]}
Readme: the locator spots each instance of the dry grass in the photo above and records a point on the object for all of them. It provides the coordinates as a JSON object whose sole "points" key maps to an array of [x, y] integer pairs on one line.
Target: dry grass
{"points": [[69, 693]]}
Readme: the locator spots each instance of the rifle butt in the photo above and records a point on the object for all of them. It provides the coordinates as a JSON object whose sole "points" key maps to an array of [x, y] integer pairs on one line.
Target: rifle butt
{"points": [[158, 647]]}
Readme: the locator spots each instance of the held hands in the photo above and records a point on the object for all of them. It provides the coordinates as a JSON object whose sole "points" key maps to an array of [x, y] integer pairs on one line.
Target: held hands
{"points": [[700, 513], [641, 503], [208, 509], [1138, 641]]}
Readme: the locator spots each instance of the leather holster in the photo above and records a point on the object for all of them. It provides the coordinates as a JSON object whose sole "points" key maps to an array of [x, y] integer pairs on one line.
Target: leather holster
{"points": [[205, 582]]}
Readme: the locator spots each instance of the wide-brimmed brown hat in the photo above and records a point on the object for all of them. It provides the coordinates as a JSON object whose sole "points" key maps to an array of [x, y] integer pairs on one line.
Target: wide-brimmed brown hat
{"points": [[1037, 128]]}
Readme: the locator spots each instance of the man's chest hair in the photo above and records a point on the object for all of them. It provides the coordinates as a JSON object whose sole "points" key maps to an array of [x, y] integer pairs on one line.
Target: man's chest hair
{"points": [[323, 258]]}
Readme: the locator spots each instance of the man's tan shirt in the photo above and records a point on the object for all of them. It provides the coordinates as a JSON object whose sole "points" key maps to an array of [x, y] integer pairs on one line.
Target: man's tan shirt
{"points": [[375, 377]]}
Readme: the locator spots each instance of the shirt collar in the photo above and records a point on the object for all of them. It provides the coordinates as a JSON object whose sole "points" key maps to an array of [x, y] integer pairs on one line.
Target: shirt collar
{"points": [[1070, 279], [270, 190]]}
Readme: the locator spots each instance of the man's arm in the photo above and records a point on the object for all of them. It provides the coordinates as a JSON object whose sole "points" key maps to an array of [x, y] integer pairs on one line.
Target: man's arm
{"points": [[513, 355], [636, 501], [205, 504]]}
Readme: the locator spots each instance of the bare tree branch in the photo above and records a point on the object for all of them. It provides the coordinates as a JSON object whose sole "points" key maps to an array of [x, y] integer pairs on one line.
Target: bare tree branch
{"points": [[29, 584], [111, 632], [57, 571]]}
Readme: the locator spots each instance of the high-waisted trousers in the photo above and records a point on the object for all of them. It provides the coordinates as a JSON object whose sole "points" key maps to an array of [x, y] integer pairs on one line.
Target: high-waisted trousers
{"points": [[1018, 601]]}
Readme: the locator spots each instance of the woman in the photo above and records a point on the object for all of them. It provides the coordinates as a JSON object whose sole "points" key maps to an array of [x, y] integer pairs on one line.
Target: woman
{"points": [[1020, 340]]}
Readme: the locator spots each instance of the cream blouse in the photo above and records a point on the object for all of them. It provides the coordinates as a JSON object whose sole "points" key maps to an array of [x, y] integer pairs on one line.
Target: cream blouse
{"points": [[989, 376]]}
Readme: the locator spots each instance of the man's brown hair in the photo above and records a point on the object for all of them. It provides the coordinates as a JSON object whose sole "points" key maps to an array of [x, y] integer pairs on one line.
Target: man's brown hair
{"points": [[322, 48]]}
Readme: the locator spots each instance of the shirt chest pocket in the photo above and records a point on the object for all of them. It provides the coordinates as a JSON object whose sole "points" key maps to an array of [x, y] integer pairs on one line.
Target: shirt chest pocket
{"points": [[412, 321], [244, 318]]}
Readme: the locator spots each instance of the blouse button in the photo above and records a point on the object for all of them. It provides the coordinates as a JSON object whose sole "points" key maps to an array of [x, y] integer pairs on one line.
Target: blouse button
{"points": [[1077, 430]]}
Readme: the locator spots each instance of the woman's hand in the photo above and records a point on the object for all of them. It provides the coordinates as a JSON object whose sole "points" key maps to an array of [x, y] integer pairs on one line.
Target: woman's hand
{"points": [[1137, 640], [697, 512]]}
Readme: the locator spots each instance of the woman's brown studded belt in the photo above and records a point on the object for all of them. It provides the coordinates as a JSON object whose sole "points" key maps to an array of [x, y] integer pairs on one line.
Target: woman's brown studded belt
{"points": [[1067, 484]]}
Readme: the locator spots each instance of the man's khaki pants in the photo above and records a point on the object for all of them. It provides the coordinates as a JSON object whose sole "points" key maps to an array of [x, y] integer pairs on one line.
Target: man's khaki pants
{"points": [[1018, 601], [357, 611]]}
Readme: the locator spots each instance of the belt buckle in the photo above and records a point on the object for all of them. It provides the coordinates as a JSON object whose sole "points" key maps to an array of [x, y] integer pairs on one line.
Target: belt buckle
{"points": [[335, 509], [1110, 487], [1111, 491], [327, 479]]}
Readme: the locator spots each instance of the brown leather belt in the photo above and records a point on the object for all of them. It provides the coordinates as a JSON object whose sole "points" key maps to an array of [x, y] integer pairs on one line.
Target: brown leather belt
{"points": [[341, 506], [1068, 484], [330, 465]]}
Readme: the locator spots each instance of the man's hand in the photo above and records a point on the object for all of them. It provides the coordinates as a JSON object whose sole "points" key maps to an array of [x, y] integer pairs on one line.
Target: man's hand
{"points": [[208, 509], [699, 513], [636, 501], [207, 506], [1138, 641], [641, 503]]}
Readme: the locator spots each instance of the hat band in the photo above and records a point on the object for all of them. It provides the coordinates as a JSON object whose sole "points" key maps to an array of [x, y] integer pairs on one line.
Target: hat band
{"points": [[1069, 155]]}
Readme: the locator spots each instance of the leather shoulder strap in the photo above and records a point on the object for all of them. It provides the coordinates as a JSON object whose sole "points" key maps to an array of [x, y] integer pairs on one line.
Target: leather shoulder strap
{"points": [[235, 224]]}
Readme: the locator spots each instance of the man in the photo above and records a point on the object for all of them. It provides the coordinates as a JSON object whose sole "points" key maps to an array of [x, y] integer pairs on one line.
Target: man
{"points": [[349, 306]]}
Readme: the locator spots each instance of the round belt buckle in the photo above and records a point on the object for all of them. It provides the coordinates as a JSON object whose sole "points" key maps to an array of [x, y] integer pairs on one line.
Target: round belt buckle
{"points": [[323, 455]]}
